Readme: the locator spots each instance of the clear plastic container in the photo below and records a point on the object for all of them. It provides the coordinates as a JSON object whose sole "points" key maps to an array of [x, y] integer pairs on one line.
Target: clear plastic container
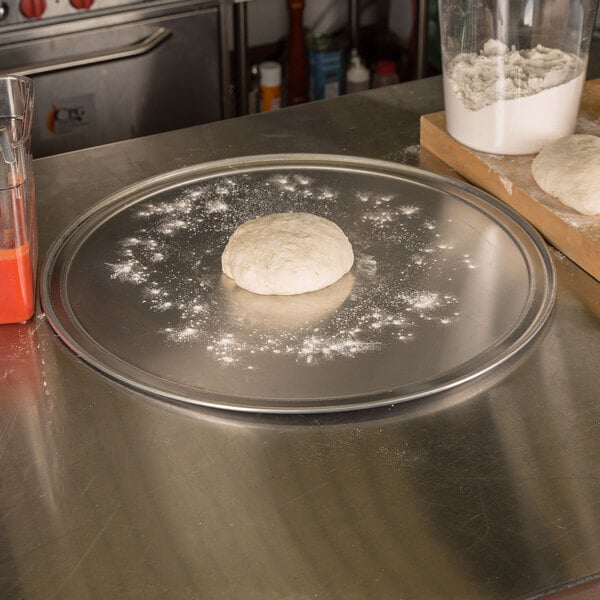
{"points": [[18, 231], [513, 71]]}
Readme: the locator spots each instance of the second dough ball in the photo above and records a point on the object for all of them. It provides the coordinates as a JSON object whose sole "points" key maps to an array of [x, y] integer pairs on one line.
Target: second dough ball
{"points": [[570, 170]]}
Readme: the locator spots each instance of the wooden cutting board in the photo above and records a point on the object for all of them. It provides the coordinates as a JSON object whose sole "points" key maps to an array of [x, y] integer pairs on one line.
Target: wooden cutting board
{"points": [[509, 178]]}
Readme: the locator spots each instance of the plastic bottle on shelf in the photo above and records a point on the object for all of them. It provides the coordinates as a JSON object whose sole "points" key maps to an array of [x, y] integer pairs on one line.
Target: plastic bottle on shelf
{"points": [[357, 75], [270, 85], [385, 73], [297, 61], [326, 66]]}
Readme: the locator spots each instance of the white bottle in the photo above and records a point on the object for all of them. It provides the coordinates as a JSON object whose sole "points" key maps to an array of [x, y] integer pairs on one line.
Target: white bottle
{"points": [[357, 75], [270, 85]]}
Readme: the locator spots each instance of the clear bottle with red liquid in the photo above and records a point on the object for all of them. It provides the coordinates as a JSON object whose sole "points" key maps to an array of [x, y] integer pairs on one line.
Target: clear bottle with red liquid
{"points": [[18, 230]]}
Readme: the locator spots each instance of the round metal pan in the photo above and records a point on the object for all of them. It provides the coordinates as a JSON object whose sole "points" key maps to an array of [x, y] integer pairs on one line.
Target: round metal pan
{"points": [[448, 282]]}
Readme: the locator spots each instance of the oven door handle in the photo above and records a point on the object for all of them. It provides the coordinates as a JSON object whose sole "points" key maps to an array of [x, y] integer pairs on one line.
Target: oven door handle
{"points": [[158, 36]]}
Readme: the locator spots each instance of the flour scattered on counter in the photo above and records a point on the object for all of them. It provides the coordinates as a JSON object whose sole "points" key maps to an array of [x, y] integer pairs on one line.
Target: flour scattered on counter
{"points": [[409, 155], [402, 457], [174, 254]]}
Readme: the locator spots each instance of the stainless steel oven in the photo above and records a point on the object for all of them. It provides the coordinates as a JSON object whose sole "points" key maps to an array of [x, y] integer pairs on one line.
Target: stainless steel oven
{"points": [[109, 70]]}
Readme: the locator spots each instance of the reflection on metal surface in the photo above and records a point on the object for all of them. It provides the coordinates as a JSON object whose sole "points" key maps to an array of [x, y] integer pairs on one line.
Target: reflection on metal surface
{"points": [[284, 312], [27, 399], [448, 283]]}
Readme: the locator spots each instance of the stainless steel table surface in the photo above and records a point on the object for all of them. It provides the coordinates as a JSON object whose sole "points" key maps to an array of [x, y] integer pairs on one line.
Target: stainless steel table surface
{"points": [[489, 491]]}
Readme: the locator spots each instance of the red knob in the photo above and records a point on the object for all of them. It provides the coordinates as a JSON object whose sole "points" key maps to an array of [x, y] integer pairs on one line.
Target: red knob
{"points": [[82, 4], [33, 9]]}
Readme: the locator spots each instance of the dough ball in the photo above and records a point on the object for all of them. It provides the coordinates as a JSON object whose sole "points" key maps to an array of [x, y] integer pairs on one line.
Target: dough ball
{"points": [[287, 253], [570, 170]]}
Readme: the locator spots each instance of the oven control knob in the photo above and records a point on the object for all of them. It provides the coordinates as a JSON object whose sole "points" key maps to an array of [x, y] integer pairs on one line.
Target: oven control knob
{"points": [[82, 4], [33, 9]]}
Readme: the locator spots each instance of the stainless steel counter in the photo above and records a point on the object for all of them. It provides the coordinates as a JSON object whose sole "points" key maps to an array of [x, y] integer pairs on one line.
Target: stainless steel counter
{"points": [[490, 491]]}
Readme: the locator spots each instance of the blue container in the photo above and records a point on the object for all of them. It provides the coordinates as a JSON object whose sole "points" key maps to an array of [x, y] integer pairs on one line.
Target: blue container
{"points": [[326, 65]]}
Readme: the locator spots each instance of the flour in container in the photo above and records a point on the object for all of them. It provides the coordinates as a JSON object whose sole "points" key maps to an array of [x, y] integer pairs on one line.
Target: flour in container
{"points": [[507, 101]]}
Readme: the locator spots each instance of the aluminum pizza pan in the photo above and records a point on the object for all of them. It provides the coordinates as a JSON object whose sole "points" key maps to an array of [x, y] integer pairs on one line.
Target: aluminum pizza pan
{"points": [[448, 283]]}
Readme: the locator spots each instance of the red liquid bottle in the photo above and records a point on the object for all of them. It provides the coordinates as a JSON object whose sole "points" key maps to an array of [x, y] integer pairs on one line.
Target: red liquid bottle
{"points": [[18, 239], [16, 264]]}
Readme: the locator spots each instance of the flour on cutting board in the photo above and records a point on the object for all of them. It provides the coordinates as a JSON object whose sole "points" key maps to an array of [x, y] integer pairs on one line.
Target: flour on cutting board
{"points": [[373, 305]]}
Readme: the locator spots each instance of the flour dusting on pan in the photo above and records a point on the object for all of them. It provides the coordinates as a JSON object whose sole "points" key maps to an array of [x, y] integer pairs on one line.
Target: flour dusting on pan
{"points": [[380, 302]]}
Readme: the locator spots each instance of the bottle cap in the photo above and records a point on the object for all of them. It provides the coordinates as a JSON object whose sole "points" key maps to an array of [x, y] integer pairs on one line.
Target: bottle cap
{"points": [[385, 67], [270, 73]]}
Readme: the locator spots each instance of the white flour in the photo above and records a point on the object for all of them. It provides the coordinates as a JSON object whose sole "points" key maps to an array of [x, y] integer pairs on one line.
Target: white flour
{"points": [[178, 272], [512, 101]]}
